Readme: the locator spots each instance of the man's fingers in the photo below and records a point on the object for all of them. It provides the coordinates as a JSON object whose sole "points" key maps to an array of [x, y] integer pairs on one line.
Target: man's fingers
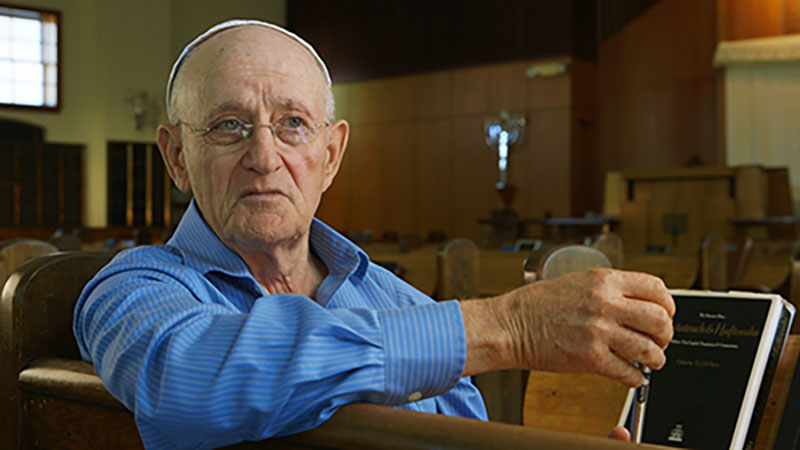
{"points": [[620, 434], [621, 370], [647, 318], [631, 345], [647, 287]]}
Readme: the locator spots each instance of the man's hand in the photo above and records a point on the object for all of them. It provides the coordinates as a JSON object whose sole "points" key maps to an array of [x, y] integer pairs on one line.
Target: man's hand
{"points": [[595, 321], [620, 434]]}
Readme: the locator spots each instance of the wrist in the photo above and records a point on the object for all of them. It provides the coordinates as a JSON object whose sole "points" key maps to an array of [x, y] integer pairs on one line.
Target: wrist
{"points": [[489, 335]]}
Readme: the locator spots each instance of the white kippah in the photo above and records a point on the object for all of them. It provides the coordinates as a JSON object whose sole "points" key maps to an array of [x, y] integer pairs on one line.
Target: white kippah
{"points": [[233, 24]]}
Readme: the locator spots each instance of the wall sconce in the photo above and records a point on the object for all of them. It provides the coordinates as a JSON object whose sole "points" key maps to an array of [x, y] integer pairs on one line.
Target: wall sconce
{"points": [[142, 107]]}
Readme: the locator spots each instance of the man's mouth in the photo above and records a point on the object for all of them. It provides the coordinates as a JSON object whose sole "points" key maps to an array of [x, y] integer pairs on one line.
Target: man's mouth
{"points": [[261, 193]]}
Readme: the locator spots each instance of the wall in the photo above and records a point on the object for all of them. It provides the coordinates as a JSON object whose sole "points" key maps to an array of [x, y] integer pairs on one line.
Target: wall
{"points": [[82, 116], [417, 160], [112, 49], [759, 112], [746, 19], [657, 90], [190, 17]]}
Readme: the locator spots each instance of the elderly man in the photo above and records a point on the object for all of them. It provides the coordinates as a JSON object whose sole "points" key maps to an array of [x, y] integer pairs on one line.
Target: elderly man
{"points": [[257, 320]]}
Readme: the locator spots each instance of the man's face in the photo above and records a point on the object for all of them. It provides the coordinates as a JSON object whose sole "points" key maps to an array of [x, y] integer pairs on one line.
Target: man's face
{"points": [[260, 191]]}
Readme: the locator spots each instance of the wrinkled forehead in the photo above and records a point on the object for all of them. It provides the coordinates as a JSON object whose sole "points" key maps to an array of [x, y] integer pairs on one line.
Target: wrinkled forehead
{"points": [[248, 59]]}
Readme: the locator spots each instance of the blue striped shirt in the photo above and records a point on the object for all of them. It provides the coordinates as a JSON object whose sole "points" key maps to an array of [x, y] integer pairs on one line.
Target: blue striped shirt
{"points": [[185, 337]]}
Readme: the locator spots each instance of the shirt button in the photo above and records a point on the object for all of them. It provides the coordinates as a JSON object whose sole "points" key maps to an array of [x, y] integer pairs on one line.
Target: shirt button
{"points": [[415, 396]]}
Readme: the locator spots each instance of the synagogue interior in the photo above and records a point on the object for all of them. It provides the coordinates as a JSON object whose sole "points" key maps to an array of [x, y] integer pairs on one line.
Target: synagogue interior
{"points": [[659, 136]]}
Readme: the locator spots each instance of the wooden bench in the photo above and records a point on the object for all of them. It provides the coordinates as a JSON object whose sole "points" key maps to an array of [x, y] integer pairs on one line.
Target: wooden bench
{"points": [[16, 252], [51, 399]]}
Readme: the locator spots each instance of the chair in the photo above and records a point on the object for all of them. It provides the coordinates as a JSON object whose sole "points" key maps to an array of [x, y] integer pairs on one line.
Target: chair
{"points": [[16, 252], [52, 399], [70, 241], [408, 242], [713, 263], [570, 258], [579, 403], [610, 244], [531, 264], [457, 268]]}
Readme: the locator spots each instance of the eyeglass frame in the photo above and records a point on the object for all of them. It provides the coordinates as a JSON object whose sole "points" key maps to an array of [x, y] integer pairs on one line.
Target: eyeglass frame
{"points": [[251, 127]]}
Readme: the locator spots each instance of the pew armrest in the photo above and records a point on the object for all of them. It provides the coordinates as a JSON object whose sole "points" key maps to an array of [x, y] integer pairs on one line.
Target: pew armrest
{"points": [[68, 379], [353, 426]]}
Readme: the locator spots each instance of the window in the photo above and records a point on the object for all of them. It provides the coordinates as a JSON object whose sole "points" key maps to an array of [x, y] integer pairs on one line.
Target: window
{"points": [[29, 58]]}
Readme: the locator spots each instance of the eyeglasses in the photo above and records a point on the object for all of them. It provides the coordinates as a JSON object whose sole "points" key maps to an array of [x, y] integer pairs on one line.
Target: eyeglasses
{"points": [[292, 131]]}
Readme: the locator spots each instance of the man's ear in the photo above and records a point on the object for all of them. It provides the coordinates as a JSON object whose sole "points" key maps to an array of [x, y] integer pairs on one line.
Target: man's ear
{"points": [[338, 133], [171, 147]]}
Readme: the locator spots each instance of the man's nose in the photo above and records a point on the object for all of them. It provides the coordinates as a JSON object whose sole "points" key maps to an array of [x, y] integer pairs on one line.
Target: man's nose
{"points": [[263, 154]]}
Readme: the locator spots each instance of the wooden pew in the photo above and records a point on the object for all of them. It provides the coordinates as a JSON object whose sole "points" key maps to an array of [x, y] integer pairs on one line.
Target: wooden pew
{"points": [[457, 270], [16, 252], [665, 215], [70, 408], [498, 270], [36, 320], [61, 403]]}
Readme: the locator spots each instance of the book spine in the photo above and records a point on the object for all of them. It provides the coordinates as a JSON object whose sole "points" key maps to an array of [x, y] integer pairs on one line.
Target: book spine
{"points": [[778, 342]]}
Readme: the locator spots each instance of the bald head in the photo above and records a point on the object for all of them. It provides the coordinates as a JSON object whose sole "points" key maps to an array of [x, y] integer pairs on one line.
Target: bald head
{"points": [[221, 43]]}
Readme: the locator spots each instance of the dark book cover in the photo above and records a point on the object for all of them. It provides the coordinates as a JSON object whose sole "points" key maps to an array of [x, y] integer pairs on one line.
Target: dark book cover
{"points": [[706, 395]]}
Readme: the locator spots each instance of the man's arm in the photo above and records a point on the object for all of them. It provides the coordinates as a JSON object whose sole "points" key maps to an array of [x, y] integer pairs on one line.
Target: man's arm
{"points": [[596, 321], [202, 374]]}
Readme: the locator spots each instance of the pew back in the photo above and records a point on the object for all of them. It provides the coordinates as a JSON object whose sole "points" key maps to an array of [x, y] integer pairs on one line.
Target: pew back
{"points": [[457, 264], [36, 309], [16, 252]]}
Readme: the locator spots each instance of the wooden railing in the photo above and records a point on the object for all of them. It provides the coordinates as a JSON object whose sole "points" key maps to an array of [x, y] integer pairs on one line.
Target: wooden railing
{"points": [[67, 406]]}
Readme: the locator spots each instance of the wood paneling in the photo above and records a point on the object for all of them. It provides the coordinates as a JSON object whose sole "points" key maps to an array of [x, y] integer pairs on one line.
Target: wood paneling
{"points": [[474, 175], [656, 90], [418, 162], [434, 187], [747, 19], [398, 178], [791, 17]]}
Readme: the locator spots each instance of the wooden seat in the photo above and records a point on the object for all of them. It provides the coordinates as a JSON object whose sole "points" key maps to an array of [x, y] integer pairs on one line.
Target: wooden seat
{"points": [[52, 399], [457, 269], [16, 252], [713, 263], [762, 265], [568, 259], [610, 244], [578, 403]]}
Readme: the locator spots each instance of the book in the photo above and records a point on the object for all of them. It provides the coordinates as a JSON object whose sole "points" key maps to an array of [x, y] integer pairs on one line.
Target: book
{"points": [[712, 392]]}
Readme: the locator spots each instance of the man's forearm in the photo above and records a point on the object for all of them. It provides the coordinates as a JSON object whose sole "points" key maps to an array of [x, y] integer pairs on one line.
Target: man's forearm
{"points": [[596, 321], [489, 345]]}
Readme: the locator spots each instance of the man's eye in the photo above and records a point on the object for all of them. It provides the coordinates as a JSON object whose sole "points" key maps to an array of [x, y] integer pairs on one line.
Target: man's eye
{"points": [[228, 125], [293, 122]]}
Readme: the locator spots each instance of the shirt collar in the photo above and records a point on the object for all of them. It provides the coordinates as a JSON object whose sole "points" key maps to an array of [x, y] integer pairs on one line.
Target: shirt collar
{"points": [[203, 251], [342, 257]]}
